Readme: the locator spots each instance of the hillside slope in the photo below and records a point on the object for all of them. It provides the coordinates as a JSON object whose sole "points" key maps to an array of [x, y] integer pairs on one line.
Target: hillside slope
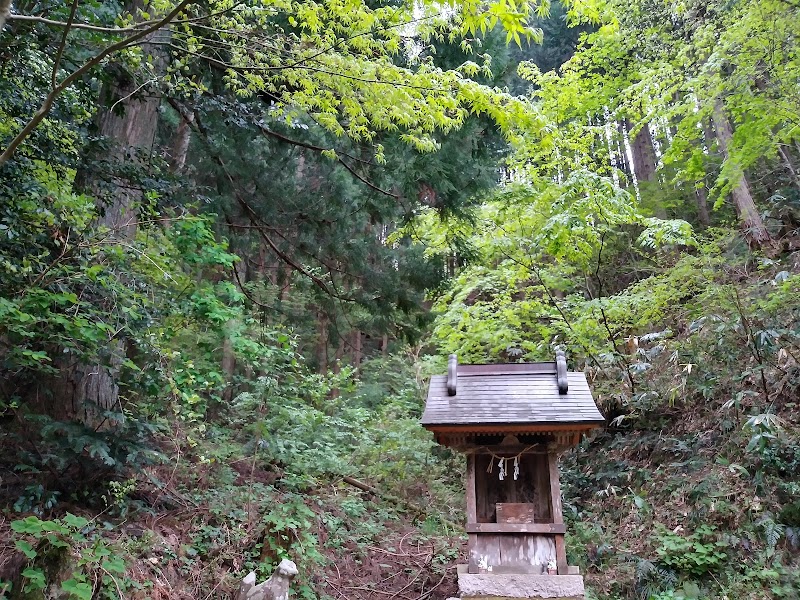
{"points": [[691, 492]]}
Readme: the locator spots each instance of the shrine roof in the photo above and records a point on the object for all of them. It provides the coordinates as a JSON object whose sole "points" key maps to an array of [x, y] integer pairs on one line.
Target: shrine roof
{"points": [[540, 395]]}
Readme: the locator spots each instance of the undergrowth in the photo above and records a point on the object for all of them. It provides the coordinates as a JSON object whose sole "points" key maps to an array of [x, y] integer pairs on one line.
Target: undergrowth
{"points": [[332, 472], [690, 492]]}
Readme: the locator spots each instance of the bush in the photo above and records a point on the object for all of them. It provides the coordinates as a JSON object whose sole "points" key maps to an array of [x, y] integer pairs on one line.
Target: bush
{"points": [[698, 554], [790, 514]]}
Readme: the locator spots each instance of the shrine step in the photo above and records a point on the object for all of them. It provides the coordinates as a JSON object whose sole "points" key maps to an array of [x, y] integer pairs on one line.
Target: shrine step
{"points": [[508, 586]]}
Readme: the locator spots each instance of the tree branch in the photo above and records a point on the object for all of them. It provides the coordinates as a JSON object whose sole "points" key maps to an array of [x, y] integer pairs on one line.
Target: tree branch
{"points": [[254, 216], [5, 5], [44, 109], [341, 161], [618, 356], [79, 25], [63, 43], [220, 64]]}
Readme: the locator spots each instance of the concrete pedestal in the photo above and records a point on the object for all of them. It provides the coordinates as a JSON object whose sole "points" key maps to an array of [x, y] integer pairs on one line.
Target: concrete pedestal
{"points": [[496, 586]]}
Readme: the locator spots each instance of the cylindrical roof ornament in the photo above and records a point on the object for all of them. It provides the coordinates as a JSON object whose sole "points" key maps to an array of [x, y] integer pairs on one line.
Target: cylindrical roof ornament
{"points": [[452, 375], [561, 372]]}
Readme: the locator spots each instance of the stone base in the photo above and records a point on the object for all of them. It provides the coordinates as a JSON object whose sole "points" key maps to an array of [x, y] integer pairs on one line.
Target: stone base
{"points": [[495, 586]]}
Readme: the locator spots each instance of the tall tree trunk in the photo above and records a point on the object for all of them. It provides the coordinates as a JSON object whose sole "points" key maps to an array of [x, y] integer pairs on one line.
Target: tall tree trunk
{"points": [[708, 134], [228, 362], [702, 206], [644, 162], [5, 9], [789, 164], [755, 233], [180, 143], [129, 122], [337, 365], [644, 155], [622, 146], [322, 341], [701, 191], [357, 351], [228, 359], [127, 118]]}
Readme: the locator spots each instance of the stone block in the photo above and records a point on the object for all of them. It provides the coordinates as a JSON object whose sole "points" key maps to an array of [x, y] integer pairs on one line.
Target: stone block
{"points": [[496, 586]]}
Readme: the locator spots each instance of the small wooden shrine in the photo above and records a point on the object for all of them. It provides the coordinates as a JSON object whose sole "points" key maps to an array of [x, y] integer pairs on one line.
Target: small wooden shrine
{"points": [[512, 421]]}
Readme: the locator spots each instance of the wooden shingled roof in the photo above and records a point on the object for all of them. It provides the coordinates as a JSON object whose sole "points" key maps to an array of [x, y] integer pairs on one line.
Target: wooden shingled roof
{"points": [[510, 398]]}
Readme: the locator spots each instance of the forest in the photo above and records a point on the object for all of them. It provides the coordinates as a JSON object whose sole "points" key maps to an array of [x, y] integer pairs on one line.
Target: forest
{"points": [[237, 237]]}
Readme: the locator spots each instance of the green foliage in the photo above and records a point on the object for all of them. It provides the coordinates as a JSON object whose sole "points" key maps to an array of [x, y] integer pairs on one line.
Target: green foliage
{"points": [[287, 534], [65, 280], [688, 591], [653, 581], [790, 514], [369, 429], [302, 429], [518, 310], [343, 65], [69, 295], [764, 428], [698, 554], [77, 541], [772, 532], [36, 292], [669, 69], [308, 127]]}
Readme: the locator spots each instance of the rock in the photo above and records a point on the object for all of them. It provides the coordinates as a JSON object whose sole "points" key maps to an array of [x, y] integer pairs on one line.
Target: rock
{"points": [[507, 586]]}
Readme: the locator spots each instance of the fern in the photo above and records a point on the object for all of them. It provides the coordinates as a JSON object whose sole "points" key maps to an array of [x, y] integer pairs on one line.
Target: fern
{"points": [[773, 532], [652, 579]]}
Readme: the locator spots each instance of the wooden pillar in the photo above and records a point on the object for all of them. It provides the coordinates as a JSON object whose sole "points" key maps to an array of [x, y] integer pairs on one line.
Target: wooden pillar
{"points": [[558, 517], [472, 513]]}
